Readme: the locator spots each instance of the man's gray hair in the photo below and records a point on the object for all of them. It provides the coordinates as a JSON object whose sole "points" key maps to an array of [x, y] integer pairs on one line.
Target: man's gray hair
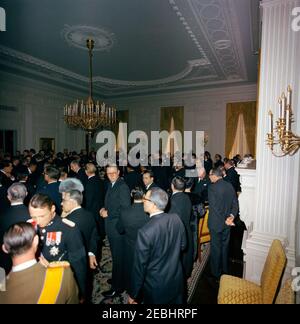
{"points": [[17, 192], [159, 197], [71, 184], [76, 195]]}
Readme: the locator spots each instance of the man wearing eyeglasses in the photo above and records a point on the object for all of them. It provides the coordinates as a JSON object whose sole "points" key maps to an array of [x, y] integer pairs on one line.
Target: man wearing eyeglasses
{"points": [[117, 198], [157, 276]]}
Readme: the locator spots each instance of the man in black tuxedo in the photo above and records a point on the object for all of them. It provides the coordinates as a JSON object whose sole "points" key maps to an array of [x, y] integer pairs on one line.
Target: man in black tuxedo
{"points": [[72, 210], [78, 172], [4, 203], [71, 190], [148, 180], [24, 178], [237, 232], [202, 183], [51, 176], [94, 196], [117, 198], [157, 274], [232, 176], [132, 178], [223, 208], [6, 177], [182, 206], [131, 220], [17, 212]]}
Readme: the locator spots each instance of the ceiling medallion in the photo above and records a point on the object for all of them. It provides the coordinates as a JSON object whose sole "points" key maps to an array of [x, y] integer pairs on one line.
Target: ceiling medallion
{"points": [[76, 36]]}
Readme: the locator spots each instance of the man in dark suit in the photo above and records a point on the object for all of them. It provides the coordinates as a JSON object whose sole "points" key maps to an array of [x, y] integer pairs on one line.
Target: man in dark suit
{"points": [[24, 178], [132, 178], [117, 198], [131, 220], [148, 180], [72, 210], [201, 185], [17, 212], [232, 176], [94, 197], [157, 274], [182, 206], [71, 190], [6, 177], [78, 171], [4, 203], [223, 208], [51, 176], [237, 232]]}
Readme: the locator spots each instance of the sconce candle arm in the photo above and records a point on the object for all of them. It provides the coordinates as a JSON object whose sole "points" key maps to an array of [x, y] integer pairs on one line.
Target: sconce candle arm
{"points": [[283, 136]]}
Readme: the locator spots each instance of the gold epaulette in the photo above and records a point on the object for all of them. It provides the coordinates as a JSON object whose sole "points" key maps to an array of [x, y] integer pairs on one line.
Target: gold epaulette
{"points": [[58, 264]]}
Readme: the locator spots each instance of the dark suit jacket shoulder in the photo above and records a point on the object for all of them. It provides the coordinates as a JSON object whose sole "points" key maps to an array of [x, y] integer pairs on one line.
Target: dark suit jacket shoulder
{"points": [[94, 194], [131, 220], [13, 215], [182, 206], [234, 178], [86, 224]]}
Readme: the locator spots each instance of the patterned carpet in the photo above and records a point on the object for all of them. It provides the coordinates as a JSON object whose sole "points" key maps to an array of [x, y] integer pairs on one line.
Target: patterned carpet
{"points": [[104, 273]]}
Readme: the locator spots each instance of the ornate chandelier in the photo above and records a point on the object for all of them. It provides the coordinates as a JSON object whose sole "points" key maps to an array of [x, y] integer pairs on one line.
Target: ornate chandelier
{"points": [[89, 115]]}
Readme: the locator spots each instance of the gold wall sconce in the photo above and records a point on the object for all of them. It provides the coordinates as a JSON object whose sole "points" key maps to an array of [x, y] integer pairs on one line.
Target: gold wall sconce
{"points": [[283, 137]]}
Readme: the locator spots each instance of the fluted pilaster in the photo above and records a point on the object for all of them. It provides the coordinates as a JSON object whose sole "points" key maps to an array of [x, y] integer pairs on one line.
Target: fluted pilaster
{"points": [[277, 192]]}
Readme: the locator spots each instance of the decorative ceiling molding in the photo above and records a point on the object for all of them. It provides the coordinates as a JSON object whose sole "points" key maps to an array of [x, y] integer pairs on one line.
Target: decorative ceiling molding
{"points": [[211, 34], [14, 56], [191, 64], [31, 62], [76, 36], [188, 29], [218, 24]]}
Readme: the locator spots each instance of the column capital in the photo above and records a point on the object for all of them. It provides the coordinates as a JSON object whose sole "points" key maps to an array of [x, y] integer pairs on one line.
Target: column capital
{"points": [[274, 3]]}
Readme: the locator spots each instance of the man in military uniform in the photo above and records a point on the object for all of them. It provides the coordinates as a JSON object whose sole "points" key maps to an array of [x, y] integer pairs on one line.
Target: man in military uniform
{"points": [[30, 282], [71, 190], [60, 238]]}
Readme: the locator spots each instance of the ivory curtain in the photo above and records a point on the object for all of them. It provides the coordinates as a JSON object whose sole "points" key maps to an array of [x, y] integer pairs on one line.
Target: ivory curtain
{"points": [[249, 113], [172, 119], [122, 117]]}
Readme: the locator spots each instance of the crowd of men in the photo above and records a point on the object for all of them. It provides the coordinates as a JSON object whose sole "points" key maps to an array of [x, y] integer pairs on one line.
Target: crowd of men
{"points": [[57, 210]]}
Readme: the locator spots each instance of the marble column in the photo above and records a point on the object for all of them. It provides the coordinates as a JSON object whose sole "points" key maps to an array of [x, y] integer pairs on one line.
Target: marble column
{"points": [[276, 204]]}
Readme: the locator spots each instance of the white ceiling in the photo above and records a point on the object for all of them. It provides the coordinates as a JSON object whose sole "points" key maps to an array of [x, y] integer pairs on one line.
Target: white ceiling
{"points": [[142, 46]]}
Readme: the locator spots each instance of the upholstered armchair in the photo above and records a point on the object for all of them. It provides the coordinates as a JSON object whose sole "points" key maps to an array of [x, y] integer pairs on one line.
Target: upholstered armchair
{"points": [[235, 290], [286, 294], [203, 232]]}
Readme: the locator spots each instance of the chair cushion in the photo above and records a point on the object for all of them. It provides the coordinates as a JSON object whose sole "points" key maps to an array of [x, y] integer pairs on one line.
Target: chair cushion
{"points": [[234, 290], [204, 235], [286, 294]]}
